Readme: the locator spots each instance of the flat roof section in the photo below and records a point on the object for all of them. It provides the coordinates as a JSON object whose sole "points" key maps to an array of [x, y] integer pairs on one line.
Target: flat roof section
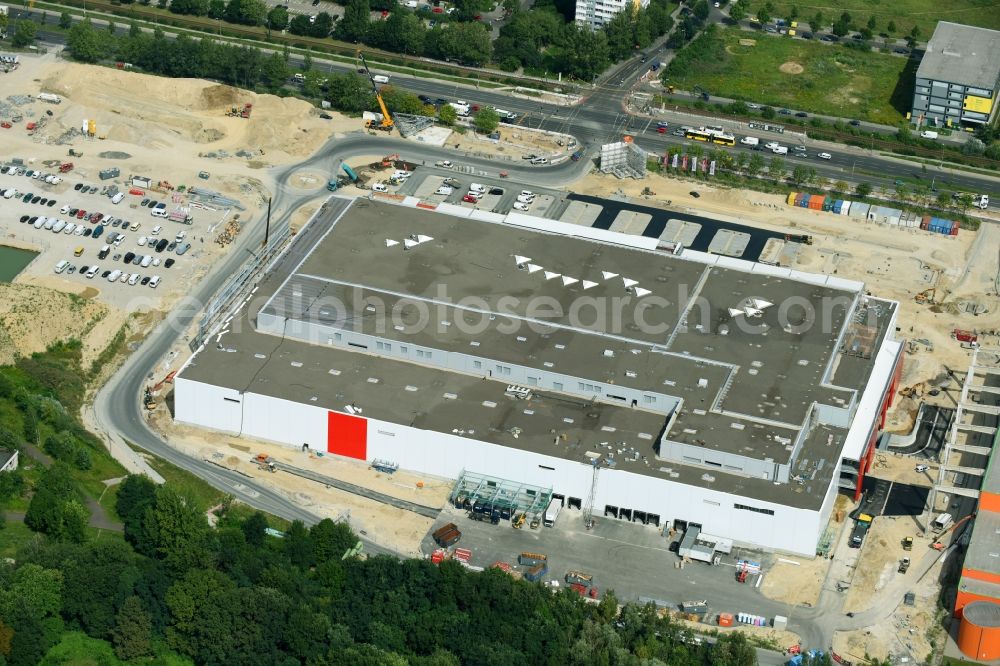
{"points": [[962, 54], [475, 263], [336, 256], [982, 552]]}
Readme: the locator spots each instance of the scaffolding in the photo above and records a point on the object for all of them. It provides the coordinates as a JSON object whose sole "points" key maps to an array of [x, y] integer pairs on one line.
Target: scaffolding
{"points": [[490, 494], [623, 159], [408, 124]]}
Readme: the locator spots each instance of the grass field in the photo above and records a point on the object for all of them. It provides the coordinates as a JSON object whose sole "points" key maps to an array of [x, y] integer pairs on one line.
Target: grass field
{"points": [[802, 75], [904, 13]]}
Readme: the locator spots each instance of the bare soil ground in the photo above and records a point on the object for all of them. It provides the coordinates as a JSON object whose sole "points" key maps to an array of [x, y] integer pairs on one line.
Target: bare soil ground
{"points": [[391, 527]]}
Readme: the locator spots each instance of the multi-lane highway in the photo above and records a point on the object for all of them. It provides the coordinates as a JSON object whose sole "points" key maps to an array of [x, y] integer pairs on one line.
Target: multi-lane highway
{"points": [[601, 117]]}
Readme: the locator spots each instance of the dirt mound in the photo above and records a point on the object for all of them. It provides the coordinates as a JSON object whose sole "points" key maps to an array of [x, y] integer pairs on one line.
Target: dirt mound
{"points": [[33, 317], [216, 96], [791, 68]]}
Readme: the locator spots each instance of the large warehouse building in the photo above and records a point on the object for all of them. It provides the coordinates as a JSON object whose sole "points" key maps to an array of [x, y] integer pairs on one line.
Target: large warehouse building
{"points": [[651, 384], [958, 78]]}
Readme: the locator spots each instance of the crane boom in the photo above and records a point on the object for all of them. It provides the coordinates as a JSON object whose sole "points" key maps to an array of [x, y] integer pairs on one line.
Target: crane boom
{"points": [[387, 122]]}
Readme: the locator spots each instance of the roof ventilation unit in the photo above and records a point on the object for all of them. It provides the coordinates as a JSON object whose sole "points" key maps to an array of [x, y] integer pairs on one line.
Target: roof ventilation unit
{"points": [[517, 391]]}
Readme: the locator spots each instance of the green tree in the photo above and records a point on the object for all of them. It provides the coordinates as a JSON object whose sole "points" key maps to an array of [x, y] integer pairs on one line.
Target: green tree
{"points": [[312, 83], [277, 17], [330, 540], [756, 165], [54, 509], [915, 33], [247, 12], [776, 168], [872, 23], [447, 115], [31, 592], [817, 21], [132, 635], [65, 21], [254, 529], [863, 189], [135, 494], [701, 10], [738, 12], [763, 15], [800, 174], [75, 518], [353, 25], [349, 92], [891, 27], [486, 120], [840, 28], [275, 71], [177, 530], [85, 43], [733, 650], [767, 112], [24, 34], [322, 26]]}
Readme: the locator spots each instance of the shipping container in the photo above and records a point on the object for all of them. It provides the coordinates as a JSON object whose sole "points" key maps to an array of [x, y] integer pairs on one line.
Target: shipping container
{"points": [[846, 208], [531, 559], [791, 198], [925, 222], [816, 202], [954, 230], [828, 204], [859, 210], [725, 619], [802, 201]]}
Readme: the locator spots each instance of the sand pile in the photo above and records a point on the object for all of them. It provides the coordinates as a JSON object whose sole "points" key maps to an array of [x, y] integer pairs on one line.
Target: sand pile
{"points": [[33, 317], [171, 114]]}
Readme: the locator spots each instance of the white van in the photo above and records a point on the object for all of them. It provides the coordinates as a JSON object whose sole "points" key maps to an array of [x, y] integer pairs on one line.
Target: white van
{"points": [[117, 199], [115, 274], [380, 78], [49, 223], [153, 281], [61, 266], [477, 187], [70, 228], [780, 150], [928, 134], [92, 271], [58, 226], [40, 222], [749, 141]]}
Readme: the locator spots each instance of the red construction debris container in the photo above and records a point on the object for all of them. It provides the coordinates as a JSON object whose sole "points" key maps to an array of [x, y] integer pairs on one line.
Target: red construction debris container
{"points": [[725, 619]]}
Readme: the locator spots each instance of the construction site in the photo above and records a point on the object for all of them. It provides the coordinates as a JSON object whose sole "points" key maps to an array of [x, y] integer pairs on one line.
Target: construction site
{"points": [[946, 289]]}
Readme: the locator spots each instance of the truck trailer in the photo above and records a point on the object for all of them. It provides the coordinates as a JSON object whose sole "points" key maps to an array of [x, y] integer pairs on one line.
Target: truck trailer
{"points": [[552, 512]]}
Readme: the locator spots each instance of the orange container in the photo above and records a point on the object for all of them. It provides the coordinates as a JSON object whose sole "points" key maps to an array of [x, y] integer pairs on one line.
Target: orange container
{"points": [[816, 202], [725, 619]]}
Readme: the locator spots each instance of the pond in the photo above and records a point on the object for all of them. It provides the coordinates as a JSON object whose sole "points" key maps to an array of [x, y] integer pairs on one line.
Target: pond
{"points": [[13, 261]]}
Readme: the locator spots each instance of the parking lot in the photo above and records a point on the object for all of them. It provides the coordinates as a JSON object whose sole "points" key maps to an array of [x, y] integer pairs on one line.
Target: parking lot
{"points": [[86, 238], [632, 559], [496, 195]]}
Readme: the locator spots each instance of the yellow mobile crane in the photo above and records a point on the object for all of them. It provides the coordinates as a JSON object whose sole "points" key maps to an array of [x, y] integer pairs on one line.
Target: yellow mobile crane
{"points": [[386, 123]]}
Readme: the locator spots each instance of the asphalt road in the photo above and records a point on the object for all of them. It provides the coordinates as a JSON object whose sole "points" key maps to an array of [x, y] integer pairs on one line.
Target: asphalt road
{"points": [[601, 118]]}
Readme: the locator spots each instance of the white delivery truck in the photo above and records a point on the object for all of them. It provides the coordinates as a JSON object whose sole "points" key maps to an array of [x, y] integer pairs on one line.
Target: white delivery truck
{"points": [[380, 78], [552, 512], [749, 141], [928, 134], [780, 150], [461, 108]]}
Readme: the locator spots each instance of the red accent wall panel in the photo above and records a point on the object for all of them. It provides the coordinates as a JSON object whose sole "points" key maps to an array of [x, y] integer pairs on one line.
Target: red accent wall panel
{"points": [[989, 502], [988, 576], [964, 598], [347, 435]]}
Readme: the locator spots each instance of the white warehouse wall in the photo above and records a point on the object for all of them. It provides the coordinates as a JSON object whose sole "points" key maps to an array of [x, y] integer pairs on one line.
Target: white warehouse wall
{"points": [[447, 455]]}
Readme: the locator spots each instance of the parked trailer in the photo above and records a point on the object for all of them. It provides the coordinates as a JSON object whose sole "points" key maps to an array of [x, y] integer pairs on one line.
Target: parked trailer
{"points": [[552, 512], [580, 578], [532, 559], [50, 98]]}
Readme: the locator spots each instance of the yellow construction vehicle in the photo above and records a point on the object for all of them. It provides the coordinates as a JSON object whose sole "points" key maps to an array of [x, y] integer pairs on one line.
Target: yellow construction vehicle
{"points": [[386, 124], [518, 521]]}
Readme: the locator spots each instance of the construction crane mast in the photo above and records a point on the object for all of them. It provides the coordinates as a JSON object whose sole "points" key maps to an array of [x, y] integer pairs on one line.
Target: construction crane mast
{"points": [[588, 509], [387, 123]]}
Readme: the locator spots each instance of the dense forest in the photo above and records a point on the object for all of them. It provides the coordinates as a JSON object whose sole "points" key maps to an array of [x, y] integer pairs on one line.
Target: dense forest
{"points": [[171, 589]]}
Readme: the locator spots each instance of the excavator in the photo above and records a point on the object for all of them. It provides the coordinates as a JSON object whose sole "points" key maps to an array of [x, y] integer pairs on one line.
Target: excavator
{"points": [[386, 124], [926, 297]]}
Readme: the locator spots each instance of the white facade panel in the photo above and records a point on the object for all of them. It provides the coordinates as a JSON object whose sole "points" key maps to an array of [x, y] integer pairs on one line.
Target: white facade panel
{"points": [[447, 455], [208, 406], [285, 421]]}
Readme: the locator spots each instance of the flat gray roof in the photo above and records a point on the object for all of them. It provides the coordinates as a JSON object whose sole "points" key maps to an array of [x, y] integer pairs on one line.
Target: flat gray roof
{"points": [[962, 54], [6, 455], [753, 382]]}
